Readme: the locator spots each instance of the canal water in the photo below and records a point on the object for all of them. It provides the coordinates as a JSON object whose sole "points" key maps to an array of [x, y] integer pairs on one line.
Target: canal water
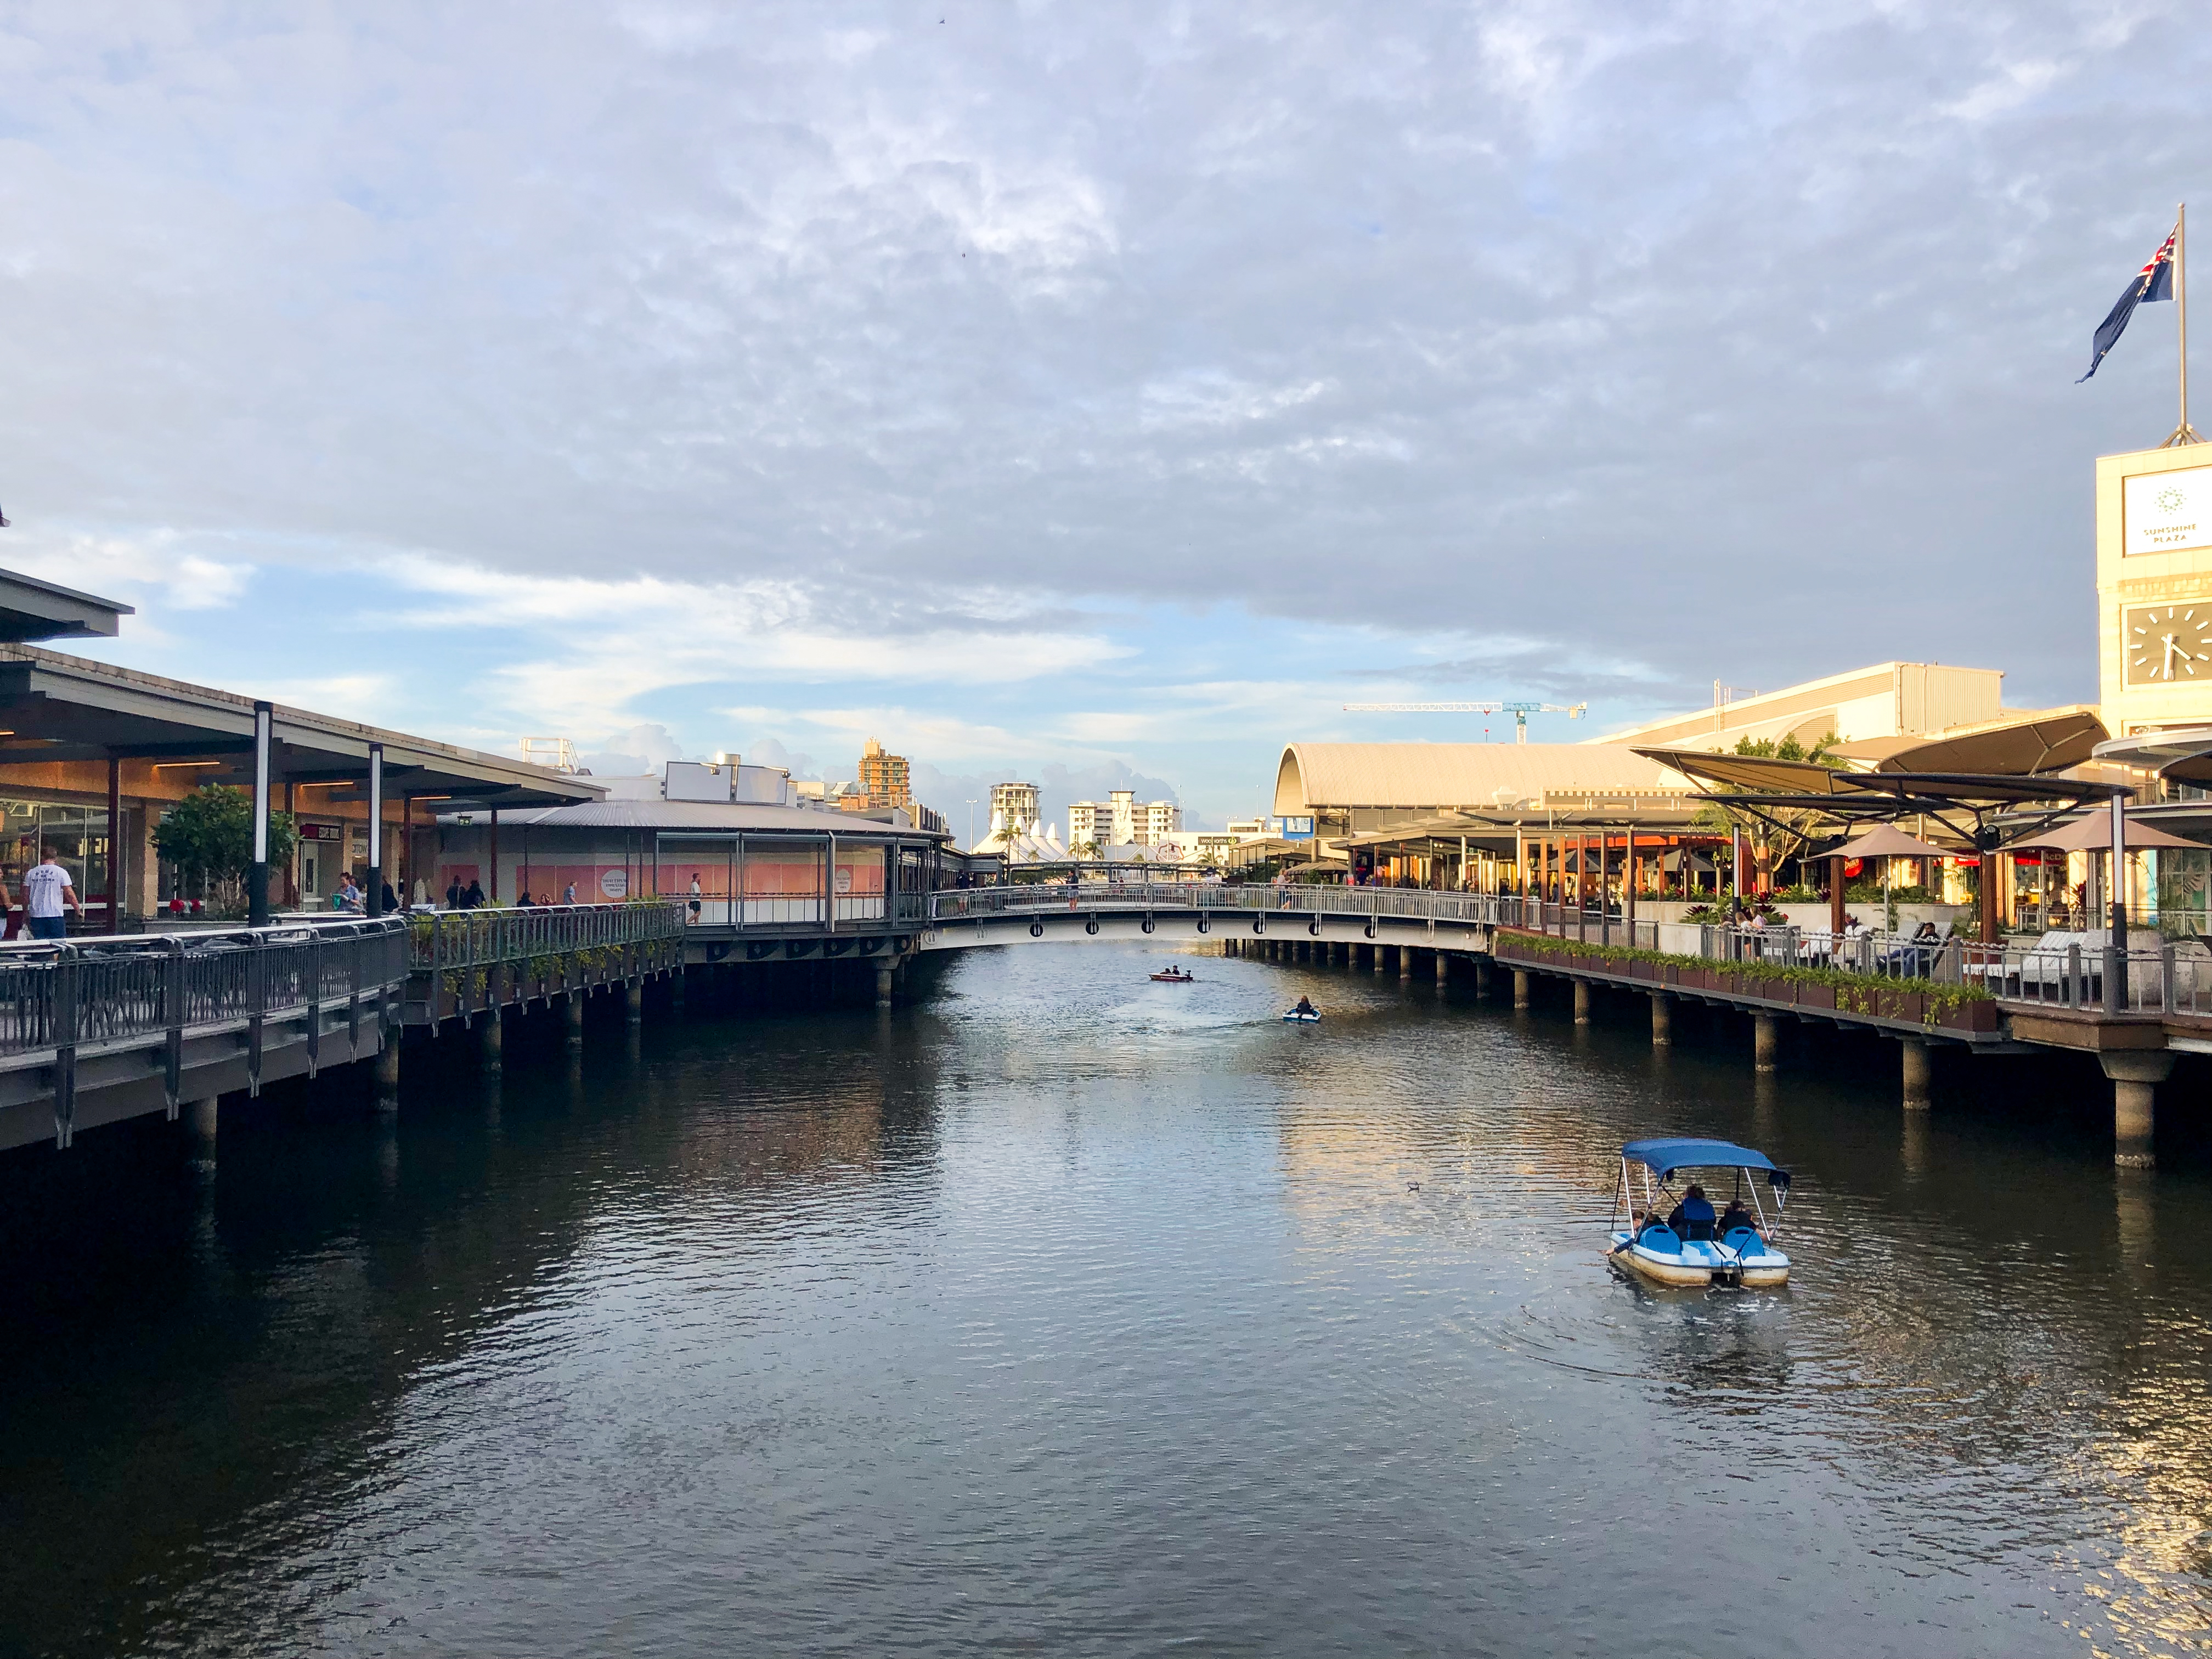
{"points": [[1067, 1313]]}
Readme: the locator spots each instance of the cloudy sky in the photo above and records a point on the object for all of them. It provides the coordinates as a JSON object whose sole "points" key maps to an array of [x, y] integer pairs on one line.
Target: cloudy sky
{"points": [[1118, 389]]}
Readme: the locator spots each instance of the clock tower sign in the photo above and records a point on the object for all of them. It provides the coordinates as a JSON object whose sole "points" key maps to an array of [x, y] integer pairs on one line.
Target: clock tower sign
{"points": [[2154, 588]]}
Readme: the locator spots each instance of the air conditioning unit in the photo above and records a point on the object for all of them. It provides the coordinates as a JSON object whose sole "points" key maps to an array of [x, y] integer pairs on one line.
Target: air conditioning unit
{"points": [[696, 780]]}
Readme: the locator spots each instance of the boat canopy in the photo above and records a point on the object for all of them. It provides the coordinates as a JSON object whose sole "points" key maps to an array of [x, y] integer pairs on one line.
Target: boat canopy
{"points": [[1664, 1156]]}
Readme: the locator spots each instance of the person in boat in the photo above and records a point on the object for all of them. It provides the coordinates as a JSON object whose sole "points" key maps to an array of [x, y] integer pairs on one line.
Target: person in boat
{"points": [[1732, 1218], [1693, 1217], [1305, 1006]]}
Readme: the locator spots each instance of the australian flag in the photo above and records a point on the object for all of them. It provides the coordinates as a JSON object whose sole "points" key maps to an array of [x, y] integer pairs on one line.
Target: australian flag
{"points": [[2154, 282]]}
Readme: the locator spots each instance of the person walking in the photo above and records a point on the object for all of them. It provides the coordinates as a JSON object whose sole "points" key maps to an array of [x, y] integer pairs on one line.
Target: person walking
{"points": [[472, 896], [568, 894], [47, 888]]}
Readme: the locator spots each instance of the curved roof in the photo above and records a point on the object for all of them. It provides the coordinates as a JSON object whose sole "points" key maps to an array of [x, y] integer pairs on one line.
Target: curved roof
{"points": [[1664, 1156], [1432, 776]]}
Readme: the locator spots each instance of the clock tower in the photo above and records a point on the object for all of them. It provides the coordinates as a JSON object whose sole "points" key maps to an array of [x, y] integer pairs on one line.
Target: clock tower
{"points": [[2154, 588]]}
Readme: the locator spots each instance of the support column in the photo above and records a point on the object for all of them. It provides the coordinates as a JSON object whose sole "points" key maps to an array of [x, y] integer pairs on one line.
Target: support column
{"points": [[1918, 1074], [1582, 1002], [256, 878], [634, 1001], [572, 1020], [2135, 1075], [1375, 957], [1520, 987], [1663, 1020], [1482, 976], [387, 1073], [375, 897], [883, 988], [1405, 962], [1765, 1042], [488, 1041]]}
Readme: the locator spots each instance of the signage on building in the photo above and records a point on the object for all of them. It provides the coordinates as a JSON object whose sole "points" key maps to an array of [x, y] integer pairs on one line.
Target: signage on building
{"points": [[614, 883], [2166, 512], [1297, 828], [322, 832]]}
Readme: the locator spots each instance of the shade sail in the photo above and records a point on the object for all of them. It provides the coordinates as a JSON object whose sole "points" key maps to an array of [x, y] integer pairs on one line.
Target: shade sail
{"points": [[2185, 757], [1753, 772], [2093, 834], [1663, 1157], [2020, 746], [1885, 841]]}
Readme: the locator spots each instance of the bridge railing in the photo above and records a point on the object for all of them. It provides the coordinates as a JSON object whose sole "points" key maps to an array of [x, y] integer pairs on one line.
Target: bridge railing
{"points": [[953, 904], [451, 940], [58, 994]]}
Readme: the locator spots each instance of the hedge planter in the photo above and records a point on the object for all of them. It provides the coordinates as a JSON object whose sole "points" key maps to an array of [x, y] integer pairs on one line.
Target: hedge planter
{"points": [[1964, 1008]]}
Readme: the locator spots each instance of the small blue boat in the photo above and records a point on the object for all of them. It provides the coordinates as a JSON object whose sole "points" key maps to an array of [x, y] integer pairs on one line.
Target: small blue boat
{"points": [[1693, 1244], [1302, 1017]]}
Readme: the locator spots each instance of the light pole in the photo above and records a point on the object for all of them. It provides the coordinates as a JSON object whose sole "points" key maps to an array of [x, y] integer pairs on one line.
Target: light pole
{"points": [[971, 826]]}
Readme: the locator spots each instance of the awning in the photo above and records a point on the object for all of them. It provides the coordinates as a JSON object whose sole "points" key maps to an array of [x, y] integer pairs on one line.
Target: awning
{"points": [[2093, 834], [2184, 755], [1751, 772], [1662, 1157]]}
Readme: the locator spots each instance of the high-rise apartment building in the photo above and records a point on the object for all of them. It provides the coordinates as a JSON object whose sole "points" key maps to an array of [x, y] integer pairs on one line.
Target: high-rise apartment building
{"points": [[1119, 821], [883, 781], [1013, 809]]}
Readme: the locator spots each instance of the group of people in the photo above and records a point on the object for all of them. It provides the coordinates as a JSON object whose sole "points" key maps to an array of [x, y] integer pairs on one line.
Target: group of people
{"points": [[1694, 1217]]}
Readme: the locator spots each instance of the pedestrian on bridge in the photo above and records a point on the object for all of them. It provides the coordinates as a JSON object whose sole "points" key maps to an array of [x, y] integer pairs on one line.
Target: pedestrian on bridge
{"points": [[47, 888]]}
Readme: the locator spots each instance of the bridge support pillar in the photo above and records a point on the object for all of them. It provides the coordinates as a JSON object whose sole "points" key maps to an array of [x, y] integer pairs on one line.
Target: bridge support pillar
{"points": [[488, 1041], [883, 988], [1520, 987], [1765, 1042], [1405, 962], [634, 1001], [202, 1116], [1918, 1074], [1482, 976], [1375, 957], [571, 1020], [1582, 1002], [2135, 1075], [1663, 1020], [388, 1072], [677, 988], [1444, 966]]}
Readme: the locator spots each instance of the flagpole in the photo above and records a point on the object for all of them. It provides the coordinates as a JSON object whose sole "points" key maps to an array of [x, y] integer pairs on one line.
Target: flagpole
{"points": [[2183, 434]]}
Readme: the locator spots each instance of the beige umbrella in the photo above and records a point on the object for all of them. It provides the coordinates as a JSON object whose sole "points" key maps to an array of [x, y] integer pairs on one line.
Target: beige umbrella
{"points": [[2094, 835], [1886, 841]]}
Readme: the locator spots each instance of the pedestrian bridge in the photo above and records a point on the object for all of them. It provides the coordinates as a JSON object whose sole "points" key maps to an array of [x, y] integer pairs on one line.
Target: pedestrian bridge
{"points": [[1041, 914]]}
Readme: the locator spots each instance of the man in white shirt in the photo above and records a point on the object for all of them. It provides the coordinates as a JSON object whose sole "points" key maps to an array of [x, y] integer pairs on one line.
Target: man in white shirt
{"points": [[47, 888]]}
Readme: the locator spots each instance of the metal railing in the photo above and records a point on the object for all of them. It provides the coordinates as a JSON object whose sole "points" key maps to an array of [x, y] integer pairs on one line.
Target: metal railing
{"points": [[443, 939], [61, 997], [953, 904]]}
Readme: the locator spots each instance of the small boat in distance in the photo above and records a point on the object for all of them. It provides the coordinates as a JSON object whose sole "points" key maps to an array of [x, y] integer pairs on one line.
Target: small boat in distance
{"points": [[1173, 976], [1304, 1014], [1693, 1244]]}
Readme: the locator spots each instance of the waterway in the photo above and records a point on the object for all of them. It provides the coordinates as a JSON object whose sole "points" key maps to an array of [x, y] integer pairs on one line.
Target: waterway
{"points": [[1067, 1313]]}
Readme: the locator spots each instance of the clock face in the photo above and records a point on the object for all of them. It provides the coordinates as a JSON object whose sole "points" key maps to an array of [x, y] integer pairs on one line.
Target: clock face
{"points": [[2167, 644]]}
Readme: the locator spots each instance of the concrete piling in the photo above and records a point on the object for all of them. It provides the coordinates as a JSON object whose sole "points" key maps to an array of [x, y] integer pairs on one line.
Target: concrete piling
{"points": [[1663, 1020], [1765, 1042], [488, 1041], [2135, 1075], [1405, 962], [634, 1001], [1520, 987], [1482, 976], [883, 988], [387, 1073], [1582, 1002], [572, 1020], [1918, 1071]]}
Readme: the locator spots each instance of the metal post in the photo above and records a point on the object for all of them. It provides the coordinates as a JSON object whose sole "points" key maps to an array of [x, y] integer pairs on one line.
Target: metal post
{"points": [[1604, 887], [257, 880], [1835, 903], [492, 893], [1628, 889], [375, 894], [2116, 942]]}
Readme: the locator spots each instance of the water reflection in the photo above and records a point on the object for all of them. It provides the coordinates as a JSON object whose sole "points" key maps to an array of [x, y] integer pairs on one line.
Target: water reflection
{"points": [[1066, 1312]]}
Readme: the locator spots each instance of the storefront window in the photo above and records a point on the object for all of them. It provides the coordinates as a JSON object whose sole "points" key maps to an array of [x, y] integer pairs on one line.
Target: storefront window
{"points": [[77, 835]]}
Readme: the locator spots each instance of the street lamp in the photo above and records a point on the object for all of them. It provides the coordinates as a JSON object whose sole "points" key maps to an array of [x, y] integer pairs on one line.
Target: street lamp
{"points": [[971, 826]]}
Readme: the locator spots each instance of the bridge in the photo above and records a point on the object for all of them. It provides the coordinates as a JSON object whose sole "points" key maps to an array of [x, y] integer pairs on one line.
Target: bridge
{"points": [[94, 1030]]}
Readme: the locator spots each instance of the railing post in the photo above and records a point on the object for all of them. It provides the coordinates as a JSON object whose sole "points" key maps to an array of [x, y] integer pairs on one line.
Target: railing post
{"points": [[256, 1008], [2073, 989], [173, 1017], [314, 987], [2116, 978], [2165, 978], [65, 1029]]}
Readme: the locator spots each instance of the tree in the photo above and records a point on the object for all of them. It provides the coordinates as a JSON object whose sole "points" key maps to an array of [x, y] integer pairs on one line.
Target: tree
{"points": [[1774, 834], [209, 835]]}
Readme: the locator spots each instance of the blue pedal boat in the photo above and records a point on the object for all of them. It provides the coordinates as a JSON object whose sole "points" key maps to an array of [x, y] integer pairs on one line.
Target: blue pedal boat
{"points": [[1735, 1247]]}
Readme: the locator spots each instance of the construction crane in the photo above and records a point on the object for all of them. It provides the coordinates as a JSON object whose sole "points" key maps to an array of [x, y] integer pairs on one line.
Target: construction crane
{"points": [[1520, 711]]}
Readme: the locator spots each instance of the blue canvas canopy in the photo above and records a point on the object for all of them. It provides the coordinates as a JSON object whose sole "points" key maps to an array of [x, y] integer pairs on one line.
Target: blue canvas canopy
{"points": [[1664, 1156]]}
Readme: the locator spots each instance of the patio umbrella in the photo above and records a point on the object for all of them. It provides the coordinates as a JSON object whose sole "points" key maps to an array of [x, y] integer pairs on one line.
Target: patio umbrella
{"points": [[2094, 835], [1885, 841]]}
